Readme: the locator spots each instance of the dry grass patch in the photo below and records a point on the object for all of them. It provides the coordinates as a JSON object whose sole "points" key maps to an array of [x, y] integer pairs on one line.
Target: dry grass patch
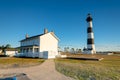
{"points": [[19, 62], [107, 69]]}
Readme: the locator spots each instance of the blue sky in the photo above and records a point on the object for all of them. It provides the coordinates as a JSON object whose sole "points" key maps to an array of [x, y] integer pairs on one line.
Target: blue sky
{"points": [[67, 18]]}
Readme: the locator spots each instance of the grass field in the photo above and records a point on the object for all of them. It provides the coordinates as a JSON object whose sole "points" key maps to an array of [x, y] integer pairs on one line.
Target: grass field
{"points": [[107, 69], [19, 62]]}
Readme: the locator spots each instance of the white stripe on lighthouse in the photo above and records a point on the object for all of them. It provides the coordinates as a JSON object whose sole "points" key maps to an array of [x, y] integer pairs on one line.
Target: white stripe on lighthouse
{"points": [[90, 24], [91, 46], [90, 35]]}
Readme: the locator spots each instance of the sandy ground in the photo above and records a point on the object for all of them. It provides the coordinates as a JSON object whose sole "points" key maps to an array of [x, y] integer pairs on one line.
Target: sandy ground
{"points": [[45, 71]]}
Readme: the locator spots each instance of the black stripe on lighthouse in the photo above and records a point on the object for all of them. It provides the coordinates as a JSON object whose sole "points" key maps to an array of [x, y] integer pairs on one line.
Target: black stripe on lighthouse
{"points": [[90, 41], [89, 18], [89, 30]]}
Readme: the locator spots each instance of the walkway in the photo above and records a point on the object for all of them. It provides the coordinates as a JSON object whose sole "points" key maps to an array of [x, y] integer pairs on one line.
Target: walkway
{"points": [[45, 71]]}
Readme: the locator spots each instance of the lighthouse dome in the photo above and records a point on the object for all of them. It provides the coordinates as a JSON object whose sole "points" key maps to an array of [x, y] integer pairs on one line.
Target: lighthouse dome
{"points": [[89, 18]]}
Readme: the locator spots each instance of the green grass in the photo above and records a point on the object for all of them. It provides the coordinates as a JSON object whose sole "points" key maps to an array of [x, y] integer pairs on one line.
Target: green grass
{"points": [[19, 62], [107, 69]]}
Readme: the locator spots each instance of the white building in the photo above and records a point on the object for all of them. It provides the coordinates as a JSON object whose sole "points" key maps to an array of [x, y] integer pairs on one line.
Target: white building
{"points": [[10, 52], [41, 46]]}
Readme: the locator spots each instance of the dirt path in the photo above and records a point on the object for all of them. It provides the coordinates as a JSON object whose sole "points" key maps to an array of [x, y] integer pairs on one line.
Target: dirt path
{"points": [[45, 71]]}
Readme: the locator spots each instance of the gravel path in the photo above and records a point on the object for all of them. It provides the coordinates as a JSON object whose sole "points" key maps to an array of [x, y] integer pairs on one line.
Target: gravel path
{"points": [[45, 71]]}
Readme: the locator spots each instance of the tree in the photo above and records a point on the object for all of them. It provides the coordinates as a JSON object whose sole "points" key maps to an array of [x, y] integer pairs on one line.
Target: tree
{"points": [[8, 46], [78, 50], [3, 47], [0, 47], [72, 50], [66, 49], [84, 49]]}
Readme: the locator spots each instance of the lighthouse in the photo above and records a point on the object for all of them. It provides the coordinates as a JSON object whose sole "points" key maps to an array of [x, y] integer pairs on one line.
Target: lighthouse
{"points": [[90, 36]]}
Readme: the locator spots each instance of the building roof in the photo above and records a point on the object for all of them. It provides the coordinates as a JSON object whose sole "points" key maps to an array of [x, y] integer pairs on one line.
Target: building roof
{"points": [[11, 49], [32, 37], [52, 33], [29, 46]]}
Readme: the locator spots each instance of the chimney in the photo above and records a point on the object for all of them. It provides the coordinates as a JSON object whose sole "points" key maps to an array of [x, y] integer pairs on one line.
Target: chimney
{"points": [[26, 36], [52, 32], [45, 31]]}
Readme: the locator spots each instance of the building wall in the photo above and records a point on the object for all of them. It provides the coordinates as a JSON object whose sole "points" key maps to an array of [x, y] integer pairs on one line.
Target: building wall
{"points": [[49, 54], [34, 41], [49, 43]]}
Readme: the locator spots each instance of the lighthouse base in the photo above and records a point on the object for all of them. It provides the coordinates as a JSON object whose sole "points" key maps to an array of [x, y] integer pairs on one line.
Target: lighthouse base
{"points": [[89, 52]]}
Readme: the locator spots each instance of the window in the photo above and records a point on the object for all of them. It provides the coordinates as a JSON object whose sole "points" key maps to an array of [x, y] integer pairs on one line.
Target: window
{"points": [[27, 50], [24, 50], [30, 49], [36, 49]]}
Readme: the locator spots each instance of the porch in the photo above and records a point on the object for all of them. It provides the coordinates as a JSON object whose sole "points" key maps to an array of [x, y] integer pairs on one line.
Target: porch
{"points": [[30, 51]]}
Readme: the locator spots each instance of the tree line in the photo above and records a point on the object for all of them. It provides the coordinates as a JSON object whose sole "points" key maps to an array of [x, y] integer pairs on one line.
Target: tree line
{"points": [[72, 50]]}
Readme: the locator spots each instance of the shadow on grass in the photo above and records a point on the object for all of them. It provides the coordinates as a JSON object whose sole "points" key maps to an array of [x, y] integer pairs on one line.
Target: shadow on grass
{"points": [[20, 76], [84, 58]]}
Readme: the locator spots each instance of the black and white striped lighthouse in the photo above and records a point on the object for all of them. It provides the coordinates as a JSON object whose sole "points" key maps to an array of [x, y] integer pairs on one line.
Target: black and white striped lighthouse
{"points": [[90, 36]]}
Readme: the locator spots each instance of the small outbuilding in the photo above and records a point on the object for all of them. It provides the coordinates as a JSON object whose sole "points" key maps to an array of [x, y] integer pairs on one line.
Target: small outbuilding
{"points": [[10, 52]]}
